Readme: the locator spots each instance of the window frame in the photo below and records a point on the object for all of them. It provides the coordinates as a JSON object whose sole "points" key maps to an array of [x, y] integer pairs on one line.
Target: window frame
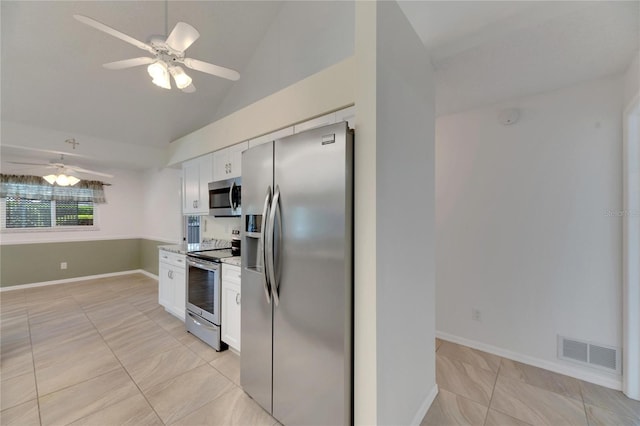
{"points": [[53, 228]]}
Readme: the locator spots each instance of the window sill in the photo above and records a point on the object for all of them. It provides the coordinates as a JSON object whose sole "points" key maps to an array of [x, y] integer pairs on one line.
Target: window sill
{"points": [[55, 229]]}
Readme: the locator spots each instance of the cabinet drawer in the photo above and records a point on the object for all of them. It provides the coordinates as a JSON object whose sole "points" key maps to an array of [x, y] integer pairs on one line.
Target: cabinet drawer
{"points": [[174, 259], [230, 273]]}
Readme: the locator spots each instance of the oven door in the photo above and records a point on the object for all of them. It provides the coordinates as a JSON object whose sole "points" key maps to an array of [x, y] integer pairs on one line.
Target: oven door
{"points": [[225, 198], [203, 289]]}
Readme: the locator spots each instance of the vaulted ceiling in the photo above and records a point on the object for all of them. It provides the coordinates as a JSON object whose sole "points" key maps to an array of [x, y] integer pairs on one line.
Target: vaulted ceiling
{"points": [[483, 52]]}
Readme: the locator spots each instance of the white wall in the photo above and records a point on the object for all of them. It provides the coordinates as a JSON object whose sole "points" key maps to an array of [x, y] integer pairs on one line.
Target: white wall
{"points": [[405, 195], [631, 237], [161, 205], [522, 228], [219, 227], [632, 80], [304, 38], [119, 218]]}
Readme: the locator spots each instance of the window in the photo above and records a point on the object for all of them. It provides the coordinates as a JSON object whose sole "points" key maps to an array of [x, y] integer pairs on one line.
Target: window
{"points": [[193, 229], [31, 203], [23, 213]]}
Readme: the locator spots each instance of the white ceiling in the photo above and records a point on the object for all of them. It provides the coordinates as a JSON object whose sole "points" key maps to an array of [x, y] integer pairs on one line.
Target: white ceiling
{"points": [[52, 75], [489, 51], [483, 52]]}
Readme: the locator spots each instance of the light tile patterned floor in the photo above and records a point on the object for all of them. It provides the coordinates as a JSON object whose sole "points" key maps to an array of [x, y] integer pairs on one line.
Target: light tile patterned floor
{"points": [[477, 388], [103, 352]]}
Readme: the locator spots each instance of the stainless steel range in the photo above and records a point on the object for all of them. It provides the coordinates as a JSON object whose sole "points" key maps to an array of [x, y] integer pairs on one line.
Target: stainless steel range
{"points": [[203, 296]]}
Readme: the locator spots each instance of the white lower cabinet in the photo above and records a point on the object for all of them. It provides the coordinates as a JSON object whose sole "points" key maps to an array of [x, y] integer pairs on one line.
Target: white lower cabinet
{"points": [[172, 283], [231, 302]]}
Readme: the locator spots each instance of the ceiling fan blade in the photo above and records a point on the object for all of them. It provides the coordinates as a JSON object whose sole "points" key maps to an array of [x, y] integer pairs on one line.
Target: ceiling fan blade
{"points": [[113, 32], [128, 63], [189, 89], [29, 164], [91, 172], [182, 36], [208, 68]]}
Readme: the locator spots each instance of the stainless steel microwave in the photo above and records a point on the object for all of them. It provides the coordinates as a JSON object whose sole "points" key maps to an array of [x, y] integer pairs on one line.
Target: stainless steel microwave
{"points": [[225, 197]]}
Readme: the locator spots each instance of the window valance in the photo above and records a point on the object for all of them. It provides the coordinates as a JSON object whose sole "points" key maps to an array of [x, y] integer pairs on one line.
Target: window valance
{"points": [[36, 188]]}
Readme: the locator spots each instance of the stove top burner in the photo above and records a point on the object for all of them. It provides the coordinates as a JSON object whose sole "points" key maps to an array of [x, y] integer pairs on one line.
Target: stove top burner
{"points": [[211, 255]]}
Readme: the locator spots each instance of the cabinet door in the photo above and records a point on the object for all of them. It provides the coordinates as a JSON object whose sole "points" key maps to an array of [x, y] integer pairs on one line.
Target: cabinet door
{"points": [[190, 186], [348, 115], [271, 136], [205, 175], [165, 293], [235, 158], [231, 316], [316, 122], [179, 284], [220, 165]]}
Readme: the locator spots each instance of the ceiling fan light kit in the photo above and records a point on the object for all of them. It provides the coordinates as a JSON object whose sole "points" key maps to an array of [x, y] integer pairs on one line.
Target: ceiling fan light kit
{"points": [[159, 74], [168, 53], [61, 179], [180, 77]]}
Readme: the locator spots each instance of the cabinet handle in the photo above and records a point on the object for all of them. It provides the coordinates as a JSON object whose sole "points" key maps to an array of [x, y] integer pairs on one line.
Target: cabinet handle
{"points": [[169, 274], [237, 298]]}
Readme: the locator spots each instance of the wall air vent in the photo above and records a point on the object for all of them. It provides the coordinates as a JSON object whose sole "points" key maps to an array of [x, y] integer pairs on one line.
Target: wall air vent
{"points": [[592, 354]]}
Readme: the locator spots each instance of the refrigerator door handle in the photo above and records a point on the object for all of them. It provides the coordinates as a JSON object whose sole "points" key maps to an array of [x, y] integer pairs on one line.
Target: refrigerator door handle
{"points": [[263, 236], [275, 211]]}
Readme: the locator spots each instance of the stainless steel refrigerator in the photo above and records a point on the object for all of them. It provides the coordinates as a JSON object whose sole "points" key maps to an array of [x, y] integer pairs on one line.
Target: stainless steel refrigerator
{"points": [[297, 280]]}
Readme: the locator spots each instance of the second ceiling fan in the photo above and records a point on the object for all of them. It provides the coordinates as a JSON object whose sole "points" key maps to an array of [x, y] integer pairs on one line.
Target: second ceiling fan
{"points": [[168, 54]]}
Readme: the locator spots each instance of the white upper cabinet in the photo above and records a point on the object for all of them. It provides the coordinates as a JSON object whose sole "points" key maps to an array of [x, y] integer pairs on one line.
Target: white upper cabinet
{"points": [[288, 131], [348, 115], [316, 122], [196, 175], [227, 163]]}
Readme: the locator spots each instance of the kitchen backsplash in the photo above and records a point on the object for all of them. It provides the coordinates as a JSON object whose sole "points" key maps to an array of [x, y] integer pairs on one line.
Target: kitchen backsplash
{"points": [[219, 227]]}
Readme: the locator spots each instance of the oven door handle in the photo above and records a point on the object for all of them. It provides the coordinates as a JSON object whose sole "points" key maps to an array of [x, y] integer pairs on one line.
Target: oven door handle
{"points": [[207, 267], [263, 235]]}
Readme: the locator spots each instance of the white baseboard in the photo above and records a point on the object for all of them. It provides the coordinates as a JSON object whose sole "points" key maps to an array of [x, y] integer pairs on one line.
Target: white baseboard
{"points": [[587, 376], [424, 407], [76, 279], [148, 274]]}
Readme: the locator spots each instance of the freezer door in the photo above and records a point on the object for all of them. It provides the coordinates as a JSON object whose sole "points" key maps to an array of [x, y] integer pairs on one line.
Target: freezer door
{"points": [[256, 308], [312, 331]]}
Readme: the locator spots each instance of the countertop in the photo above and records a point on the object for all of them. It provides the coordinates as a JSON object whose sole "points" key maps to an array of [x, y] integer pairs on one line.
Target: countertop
{"points": [[186, 248], [235, 261], [175, 248]]}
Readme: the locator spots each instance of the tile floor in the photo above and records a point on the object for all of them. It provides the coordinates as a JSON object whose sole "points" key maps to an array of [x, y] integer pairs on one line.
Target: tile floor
{"points": [[103, 352], [477, 388]]}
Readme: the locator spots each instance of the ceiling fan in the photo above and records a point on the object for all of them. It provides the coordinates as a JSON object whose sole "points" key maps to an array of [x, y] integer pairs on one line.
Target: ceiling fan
{"points": [[63, 175], [168, 54]]}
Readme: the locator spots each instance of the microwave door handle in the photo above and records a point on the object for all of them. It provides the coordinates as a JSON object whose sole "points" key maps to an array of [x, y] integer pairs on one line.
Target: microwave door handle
{"points": [[275, 211], [231, 203], [263, 236]]}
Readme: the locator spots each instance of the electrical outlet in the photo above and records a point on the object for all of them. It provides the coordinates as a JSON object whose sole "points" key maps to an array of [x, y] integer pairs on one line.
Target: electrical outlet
{"points": [[476, 315], [63, 265]]}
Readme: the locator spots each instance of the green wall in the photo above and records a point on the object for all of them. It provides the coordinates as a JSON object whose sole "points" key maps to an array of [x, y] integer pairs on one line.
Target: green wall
{"points": [[38, 262], [149, 255]]}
